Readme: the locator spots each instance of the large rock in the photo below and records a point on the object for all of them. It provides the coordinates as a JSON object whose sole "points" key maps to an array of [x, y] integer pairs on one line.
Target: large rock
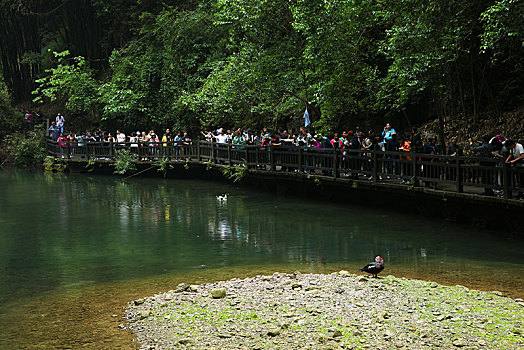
{"points": [[344, 273], [182, 287], [185, 341], [274, 331], [459, 343], [218, 293]]}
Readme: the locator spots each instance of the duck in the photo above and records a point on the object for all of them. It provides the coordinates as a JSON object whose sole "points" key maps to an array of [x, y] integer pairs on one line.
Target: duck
{"points": [[223, 197], [374, 268]]}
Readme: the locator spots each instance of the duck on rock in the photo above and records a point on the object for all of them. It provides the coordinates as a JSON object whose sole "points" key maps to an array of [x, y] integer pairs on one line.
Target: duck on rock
{"points": [[374, 267]]}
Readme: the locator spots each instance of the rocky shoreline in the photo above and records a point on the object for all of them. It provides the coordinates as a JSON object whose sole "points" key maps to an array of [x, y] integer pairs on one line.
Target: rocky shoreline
{"points": [[335, 311]]}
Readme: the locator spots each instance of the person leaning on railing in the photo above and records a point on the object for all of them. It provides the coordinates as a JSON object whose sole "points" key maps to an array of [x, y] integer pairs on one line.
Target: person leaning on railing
{"points": [[454, 148], [516, 159]]}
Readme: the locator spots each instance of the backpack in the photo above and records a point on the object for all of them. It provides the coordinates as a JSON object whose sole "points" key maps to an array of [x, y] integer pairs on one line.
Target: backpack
{"points": [[416, 143], [355, 143]]}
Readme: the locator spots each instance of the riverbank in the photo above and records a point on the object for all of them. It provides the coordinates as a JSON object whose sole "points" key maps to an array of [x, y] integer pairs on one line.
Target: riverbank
{"points": [[319, 311]]}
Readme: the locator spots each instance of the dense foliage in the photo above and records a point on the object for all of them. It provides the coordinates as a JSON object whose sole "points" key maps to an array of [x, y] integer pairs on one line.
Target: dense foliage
{"points": [[26, 149], [189, 64], [10, 120], [124, 162]]}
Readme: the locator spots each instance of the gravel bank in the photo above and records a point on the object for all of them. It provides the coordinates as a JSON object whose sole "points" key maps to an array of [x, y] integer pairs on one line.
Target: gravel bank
{"points": [[335, 311]]}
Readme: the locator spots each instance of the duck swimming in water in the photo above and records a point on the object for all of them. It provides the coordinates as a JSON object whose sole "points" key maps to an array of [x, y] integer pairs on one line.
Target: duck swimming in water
{"points": [[223, 197]]}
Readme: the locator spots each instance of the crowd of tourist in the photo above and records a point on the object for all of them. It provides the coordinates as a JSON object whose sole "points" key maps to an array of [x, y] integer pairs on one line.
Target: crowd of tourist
{"points": [[388, 140]]}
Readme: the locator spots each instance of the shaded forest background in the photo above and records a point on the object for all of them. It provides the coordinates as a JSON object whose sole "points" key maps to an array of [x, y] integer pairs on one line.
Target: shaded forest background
{"points": [[191, 64]]}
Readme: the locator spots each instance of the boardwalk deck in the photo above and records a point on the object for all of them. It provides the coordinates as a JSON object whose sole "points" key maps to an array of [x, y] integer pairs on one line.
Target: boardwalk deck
{"points": [[398, 170]]}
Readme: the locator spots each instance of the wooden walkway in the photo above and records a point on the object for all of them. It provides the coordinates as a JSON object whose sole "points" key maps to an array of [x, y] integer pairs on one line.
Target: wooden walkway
{"points": [[406, 171]]}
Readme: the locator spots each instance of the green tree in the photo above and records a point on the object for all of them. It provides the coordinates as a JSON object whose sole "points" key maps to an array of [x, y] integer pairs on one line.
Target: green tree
{"points": [[10, 120], [261, 81], [343, 57], [71, 79], [154, 75], [502, 40]]}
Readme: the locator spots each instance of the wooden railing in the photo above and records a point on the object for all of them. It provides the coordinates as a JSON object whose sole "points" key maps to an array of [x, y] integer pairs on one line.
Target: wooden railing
{"points": [[452, 173]]}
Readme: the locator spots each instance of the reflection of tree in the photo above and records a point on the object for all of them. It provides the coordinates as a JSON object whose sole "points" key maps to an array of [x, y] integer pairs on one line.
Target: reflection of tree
{"points": [[79, 228]]}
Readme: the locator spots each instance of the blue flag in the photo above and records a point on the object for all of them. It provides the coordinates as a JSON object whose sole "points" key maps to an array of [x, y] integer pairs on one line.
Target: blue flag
{"points": [[306, 117]]}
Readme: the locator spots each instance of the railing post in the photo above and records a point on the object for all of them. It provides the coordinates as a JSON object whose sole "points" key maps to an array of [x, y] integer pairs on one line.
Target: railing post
{"points": [[68, 150], [229, 147], [247, 156], [335, 162], [374, 172], [415, 180], [213, 159], [271, 158], [198, 150], [506, 180], [300, 160], [459, 175]]}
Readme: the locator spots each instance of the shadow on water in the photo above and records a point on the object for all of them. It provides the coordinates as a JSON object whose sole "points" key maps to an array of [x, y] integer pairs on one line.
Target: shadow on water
{"points": [[74, 250]]}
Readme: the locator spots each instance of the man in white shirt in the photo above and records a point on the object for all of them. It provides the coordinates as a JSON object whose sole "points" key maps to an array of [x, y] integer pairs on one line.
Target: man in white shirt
{"points": [[221, 137], [516, 157], [120, 137], [516, 153], [60, 121]]}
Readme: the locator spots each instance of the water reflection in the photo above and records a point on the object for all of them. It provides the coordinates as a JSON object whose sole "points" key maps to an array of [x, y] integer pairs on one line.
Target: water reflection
{"points": [[58, 231]]}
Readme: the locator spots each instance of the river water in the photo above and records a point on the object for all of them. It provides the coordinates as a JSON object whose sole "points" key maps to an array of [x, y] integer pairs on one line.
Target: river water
{"points": [[75, 249]]}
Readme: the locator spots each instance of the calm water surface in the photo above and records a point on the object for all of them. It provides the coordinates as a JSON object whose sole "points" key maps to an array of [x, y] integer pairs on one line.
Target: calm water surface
{"points": [[75, 249]]}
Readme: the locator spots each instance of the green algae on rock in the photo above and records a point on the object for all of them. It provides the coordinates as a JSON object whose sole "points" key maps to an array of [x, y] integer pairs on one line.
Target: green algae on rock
{"points": [[335, 310]]}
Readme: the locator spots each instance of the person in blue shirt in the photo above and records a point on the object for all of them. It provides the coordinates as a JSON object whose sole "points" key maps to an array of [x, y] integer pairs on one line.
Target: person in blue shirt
{"points": [[388, 133], [54, 131], [177, 143]]}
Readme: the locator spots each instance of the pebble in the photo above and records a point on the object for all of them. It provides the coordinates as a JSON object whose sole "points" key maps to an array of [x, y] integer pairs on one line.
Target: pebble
{"points": [[459, 343], [344, 273], [274, 331]]}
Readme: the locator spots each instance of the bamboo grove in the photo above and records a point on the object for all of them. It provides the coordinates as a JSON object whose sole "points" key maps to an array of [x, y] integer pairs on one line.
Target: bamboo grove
{"points": [[192, 64]]}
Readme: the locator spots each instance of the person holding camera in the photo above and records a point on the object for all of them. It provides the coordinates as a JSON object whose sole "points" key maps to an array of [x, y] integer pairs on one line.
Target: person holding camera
{"points": [[388, 133]]}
